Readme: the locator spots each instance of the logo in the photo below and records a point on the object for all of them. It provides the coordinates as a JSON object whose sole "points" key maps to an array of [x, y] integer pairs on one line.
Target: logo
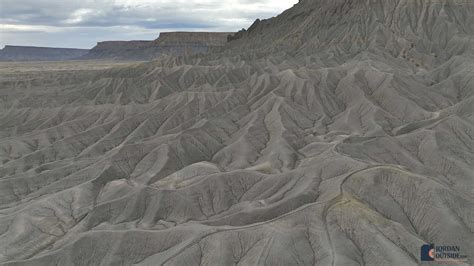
{"points": [[430, 252], [427, 253]]}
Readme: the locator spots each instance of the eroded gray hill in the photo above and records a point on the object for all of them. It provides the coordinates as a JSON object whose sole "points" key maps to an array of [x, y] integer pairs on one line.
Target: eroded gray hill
{"points": [[338, 133]]}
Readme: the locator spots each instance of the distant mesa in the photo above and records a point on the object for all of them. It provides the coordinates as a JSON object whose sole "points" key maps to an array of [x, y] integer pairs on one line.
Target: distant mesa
{"points": [[120, 45], [175, 43], [30, 53], [193, 38]]}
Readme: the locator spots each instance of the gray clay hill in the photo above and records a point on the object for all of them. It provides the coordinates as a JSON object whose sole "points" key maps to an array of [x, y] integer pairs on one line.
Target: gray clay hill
{"points": [[337, 133]]}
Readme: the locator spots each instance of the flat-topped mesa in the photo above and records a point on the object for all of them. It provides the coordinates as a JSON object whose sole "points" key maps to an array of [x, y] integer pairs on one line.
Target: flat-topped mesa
{"points": [[32, 53], [117, 45], [133, 50], [172, 43], [193, 38]]}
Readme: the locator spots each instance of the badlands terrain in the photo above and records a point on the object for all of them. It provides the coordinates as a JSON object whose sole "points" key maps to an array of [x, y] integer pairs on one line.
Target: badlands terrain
{"points": [[338, 133]]}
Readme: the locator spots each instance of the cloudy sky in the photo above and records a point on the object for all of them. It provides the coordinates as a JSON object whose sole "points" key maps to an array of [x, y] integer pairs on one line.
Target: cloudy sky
{"points": [[82, 23]]}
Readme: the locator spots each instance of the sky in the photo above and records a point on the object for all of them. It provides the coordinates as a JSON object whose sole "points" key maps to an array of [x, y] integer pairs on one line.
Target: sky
{"points": [[83, 23]]}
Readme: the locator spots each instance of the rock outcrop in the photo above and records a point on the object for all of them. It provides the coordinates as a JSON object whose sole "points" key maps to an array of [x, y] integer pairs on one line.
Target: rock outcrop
{"points": [[30, 53], [126, 50]]}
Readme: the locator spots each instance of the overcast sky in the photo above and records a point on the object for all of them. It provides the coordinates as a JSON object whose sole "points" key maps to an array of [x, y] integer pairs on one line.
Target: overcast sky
{"points": [[82, 23]]}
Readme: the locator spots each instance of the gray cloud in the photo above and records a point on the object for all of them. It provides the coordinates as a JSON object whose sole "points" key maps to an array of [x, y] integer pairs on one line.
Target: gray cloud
{"points": [[21, 20]]}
